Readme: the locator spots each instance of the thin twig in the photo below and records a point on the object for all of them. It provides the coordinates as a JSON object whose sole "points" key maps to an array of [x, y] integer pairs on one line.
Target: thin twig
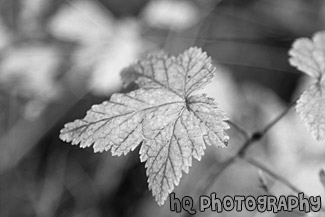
{"points": [[239, 129], [263, 182], [276, 176], [257, 136], [254, 67], [271, 173], [276, 120], [264, 185], [253, 41]]}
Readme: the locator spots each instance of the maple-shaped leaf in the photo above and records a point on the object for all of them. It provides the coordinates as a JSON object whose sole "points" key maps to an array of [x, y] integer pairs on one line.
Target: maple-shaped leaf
{"points": [[309, 56], [173, 124]]}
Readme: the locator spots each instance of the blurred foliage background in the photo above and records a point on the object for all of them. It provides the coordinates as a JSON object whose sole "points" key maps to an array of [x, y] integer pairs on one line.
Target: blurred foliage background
{"points": [[59, 57]]}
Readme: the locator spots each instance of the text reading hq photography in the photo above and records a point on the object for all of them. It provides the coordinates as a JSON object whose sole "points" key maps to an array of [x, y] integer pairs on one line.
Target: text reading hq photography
{"points": [[261, 203]]}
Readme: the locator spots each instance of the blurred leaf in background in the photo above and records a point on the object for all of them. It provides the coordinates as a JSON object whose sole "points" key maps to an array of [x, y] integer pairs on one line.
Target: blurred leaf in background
{"points": [[30, 72], [105, 45], [172, 15]]}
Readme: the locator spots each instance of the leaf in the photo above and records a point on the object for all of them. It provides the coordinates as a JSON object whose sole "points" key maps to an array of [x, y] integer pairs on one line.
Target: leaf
{"points": [[124, 48], [82, 21], [23, 75], [311, 109], [106, 45], [174, 15], [182, 75], [309, 56], [22, 66], [172, 124]]}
